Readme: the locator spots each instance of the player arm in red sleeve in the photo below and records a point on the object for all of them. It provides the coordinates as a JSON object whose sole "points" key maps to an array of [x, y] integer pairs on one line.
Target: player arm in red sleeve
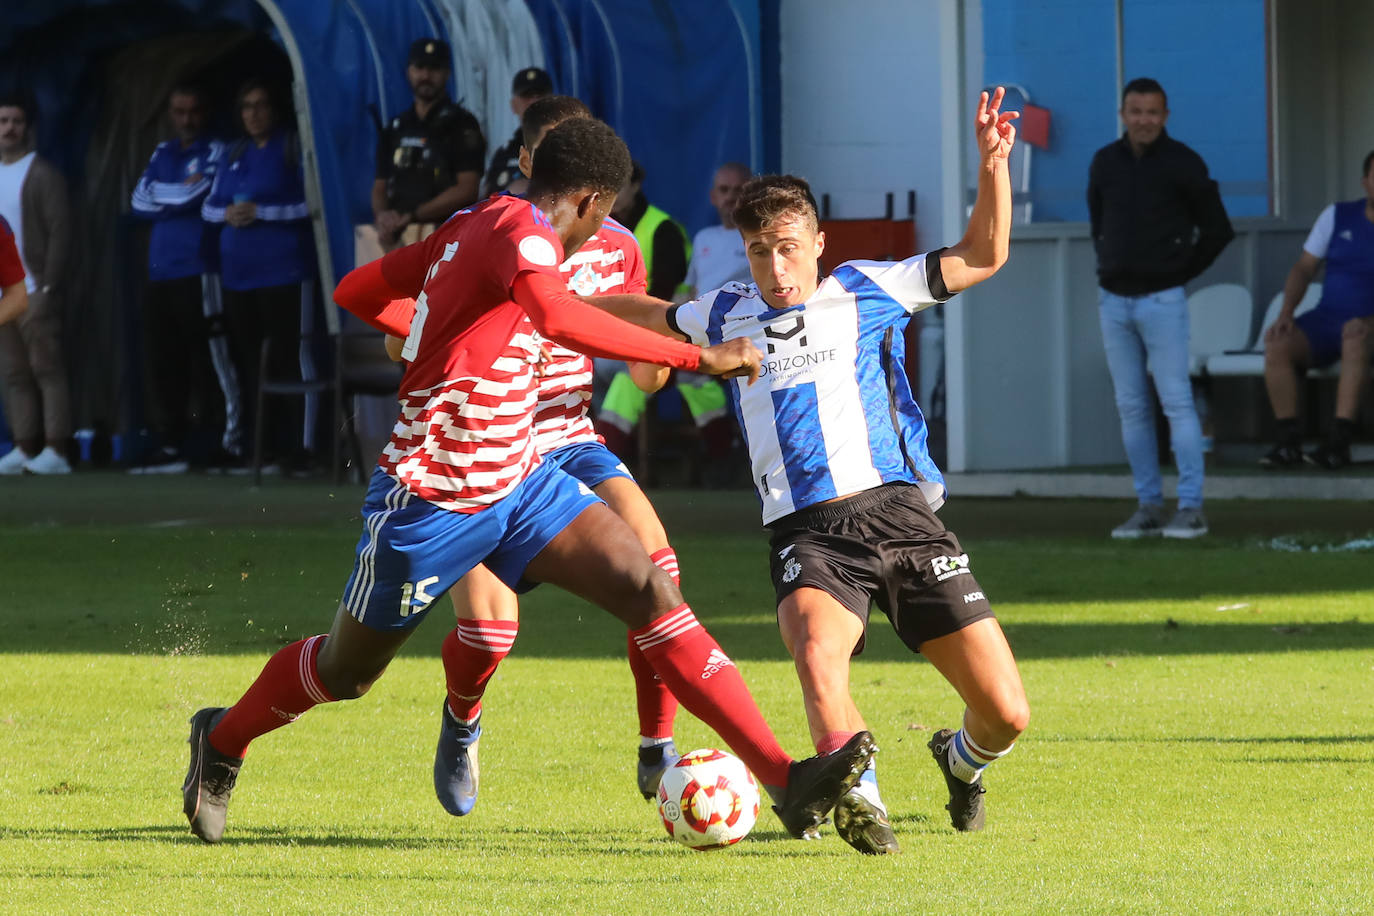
{"points": [[15, 298], [382, 293], [563, 318]]}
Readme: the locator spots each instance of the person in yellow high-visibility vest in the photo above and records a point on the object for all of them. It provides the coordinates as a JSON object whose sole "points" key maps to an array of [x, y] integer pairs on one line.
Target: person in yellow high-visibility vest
{"points": [[663, 242]]}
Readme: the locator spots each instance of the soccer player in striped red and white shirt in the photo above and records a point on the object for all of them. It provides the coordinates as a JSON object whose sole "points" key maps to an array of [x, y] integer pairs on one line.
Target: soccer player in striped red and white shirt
{"points": [[460, 482], [488, 612]]}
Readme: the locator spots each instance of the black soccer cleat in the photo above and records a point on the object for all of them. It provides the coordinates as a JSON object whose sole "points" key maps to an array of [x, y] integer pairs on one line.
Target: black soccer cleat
{"points": [[209, 780], [1282, 457], [863, 824], [814, 785], [1331, 456], [965, 799]]}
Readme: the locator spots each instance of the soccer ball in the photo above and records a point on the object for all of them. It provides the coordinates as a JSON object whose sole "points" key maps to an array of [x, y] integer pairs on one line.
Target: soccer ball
{"points": [[708, 799]]}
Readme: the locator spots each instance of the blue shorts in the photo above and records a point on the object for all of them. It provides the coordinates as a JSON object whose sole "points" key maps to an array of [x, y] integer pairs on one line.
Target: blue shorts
{"points": [[411, 551], [1323, 328], [590, 462]]}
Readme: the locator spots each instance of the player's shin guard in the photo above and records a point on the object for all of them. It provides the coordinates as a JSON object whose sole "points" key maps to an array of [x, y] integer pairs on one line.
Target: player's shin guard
{"points": [[471, 654], [288, 686], [706, 681], [655, 702]]}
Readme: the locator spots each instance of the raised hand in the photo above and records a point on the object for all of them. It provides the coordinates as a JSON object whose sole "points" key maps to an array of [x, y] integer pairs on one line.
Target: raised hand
{"points": [[993, 127]]}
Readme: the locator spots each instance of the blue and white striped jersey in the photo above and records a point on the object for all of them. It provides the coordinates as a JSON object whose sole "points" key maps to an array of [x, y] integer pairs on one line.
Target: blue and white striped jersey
{"points": [[832, 413]]}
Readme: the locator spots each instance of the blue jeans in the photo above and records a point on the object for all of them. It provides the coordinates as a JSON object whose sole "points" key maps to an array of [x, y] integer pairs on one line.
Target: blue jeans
{"points": [[1150, 334]]}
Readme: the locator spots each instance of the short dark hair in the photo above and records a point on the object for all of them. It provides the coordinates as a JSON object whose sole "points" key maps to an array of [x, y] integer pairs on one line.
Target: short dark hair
{"points": [[547, 112], [191, 88], [1368, 161], [582, 153], [767, 199], [636, 172], [23, 100], [1143, 85]]}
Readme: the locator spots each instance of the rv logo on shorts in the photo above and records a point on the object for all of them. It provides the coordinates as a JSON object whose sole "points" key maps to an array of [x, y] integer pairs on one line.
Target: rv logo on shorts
{"points": [[950, 566], [791, 570]]}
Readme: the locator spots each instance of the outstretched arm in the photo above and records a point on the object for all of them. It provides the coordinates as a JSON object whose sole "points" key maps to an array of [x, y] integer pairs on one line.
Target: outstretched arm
{"points": [[983, 249], [644, 311]]}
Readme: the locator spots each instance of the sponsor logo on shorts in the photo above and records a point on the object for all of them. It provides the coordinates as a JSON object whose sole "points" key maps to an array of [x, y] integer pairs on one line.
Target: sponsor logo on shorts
{"points": [[286, 716], [716, 661], [974, 596], [791, 570], [782, 554], [949, 566], [584, 489]]}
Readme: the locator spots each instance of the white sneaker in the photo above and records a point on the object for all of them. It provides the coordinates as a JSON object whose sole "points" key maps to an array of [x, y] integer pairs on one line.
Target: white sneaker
{"points": [[13, 462], [1147, 522], [1187, 523], [47, 462]]}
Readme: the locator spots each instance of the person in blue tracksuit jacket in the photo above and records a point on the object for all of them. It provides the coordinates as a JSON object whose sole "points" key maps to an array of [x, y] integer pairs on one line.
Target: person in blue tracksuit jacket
{"points": [[188, 375], [266, 261]]}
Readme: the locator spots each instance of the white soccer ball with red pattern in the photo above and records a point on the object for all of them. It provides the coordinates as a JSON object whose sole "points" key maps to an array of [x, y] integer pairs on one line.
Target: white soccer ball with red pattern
{"points": [[708, 799]]}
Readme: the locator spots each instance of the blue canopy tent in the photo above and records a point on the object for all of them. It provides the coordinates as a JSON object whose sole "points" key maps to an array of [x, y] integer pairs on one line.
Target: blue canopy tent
{"points": [[679, 80]]}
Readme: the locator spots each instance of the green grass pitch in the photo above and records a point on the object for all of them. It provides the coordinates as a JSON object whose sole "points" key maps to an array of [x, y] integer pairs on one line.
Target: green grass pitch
{"points": [[1201, 739]]}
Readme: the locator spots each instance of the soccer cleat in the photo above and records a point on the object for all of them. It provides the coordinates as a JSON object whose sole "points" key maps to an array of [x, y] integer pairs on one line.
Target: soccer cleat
{"points": [[653, 763], [1146, 522], [47, 461], [815, 785], [455, 763], [13, 462], [1329, 455], [1186, 523], [163, 461], [965, 799], [1282, 457], [861, 821], [209, 780]]}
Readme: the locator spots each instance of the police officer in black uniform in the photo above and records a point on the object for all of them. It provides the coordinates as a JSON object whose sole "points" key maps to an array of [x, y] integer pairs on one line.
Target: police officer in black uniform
{"points": [[429, 158], [529, 86]]}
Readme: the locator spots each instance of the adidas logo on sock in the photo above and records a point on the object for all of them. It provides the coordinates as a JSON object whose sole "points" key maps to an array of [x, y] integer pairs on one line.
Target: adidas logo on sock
{"points": [[714, 662]]}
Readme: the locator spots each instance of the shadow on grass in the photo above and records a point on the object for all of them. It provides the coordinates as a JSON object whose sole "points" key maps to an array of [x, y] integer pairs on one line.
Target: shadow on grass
{"points": [[598, 636], [489, 839]]}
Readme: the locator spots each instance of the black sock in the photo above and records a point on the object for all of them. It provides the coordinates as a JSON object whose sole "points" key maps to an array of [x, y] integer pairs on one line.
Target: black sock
{"points": [[1342, 431], [1289, 432]]}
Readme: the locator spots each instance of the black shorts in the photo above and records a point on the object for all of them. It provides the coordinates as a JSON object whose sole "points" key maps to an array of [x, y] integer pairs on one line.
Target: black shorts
{"points": [[883, 546]]}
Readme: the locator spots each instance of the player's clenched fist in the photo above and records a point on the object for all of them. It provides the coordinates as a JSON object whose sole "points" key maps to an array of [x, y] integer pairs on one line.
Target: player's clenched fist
{"points": [[731, 359]]}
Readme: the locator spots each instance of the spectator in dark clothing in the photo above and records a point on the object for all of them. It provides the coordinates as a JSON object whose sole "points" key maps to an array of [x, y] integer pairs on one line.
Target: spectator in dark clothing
{"points": [[266, 262], [181, 300], [429, 158], [503, 174], [661, 238], [1157, 222]]}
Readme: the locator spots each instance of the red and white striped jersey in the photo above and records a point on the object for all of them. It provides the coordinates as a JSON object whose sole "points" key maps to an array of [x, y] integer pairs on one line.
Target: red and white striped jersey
{"points": [[608, 262], [464, 437]]}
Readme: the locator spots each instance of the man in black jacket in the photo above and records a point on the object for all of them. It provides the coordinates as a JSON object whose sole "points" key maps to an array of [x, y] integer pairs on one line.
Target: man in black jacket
{"points": [[1157, 222]]}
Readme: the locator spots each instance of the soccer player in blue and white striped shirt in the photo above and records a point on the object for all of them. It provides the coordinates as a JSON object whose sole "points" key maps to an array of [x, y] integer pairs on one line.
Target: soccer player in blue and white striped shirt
{"points": [[849, 492]]}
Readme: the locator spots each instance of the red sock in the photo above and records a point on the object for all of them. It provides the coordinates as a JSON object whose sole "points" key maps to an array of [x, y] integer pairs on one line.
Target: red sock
{"points": [[833, 741], [471, 653], [288, 686], [656, 704], [666, 560], [702, 676]]}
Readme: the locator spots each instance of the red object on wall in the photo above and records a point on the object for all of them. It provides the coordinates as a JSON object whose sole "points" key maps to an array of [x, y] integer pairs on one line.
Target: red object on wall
{"points": [[1034, 125]]}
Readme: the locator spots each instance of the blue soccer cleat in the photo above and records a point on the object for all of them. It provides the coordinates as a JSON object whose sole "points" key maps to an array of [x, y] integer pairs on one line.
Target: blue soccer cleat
{"points": [[455, 763], [653, 763]]}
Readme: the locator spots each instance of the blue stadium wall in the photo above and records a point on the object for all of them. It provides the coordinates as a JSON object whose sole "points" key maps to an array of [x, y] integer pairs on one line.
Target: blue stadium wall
{"points": [[1208, 54]]}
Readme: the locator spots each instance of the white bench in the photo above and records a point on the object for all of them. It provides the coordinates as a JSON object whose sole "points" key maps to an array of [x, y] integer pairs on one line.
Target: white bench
{"points": [[1249, 359]]}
